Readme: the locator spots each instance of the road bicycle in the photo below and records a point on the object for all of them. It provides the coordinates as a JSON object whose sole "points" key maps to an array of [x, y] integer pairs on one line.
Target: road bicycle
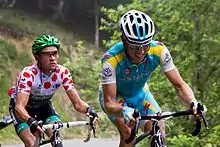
{"points": [[155, 135], [55, 139]]}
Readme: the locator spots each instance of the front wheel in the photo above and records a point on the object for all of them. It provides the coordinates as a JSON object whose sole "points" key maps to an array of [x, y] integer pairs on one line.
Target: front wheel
{"points": [[157, 138], [59, 145], [57, 139]]}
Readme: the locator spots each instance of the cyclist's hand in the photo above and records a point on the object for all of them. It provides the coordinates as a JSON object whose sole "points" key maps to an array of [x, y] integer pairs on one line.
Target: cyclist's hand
{"points": [[34, 127], [128, 116], [197, 109], [91, 112]]}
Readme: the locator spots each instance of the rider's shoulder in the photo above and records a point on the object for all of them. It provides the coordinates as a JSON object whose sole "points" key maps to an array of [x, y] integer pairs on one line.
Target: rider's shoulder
{"points": [[115, 50], [31, 69], [157, 47], [60, 69], [154, 43]]}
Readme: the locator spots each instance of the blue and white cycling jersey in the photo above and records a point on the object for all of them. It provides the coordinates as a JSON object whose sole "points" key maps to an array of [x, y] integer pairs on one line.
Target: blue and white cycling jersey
{"points": [[131, 78]]}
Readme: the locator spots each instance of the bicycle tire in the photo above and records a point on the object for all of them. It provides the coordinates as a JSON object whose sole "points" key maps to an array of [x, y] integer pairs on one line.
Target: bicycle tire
{"points": [[59, 144], [141, 137]]}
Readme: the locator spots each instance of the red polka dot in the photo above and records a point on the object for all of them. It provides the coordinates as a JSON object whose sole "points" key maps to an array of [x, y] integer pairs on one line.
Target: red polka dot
{"points": [[21, 86], [29, 83], [66, 87], [27, 75], [34, 70], [71, 82], [11, 91], [31, 64], [54, 78], [66, 72], [28, 91], [57, 70], [64, 81], [47, 85]]}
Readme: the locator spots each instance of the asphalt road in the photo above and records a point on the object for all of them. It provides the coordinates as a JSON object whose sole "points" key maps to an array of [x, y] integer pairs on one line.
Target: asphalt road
{"points": [[79, 143]]}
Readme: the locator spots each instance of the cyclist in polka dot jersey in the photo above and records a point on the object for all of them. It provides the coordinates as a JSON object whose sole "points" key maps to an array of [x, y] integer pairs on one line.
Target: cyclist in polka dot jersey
{"points": [[35, 86]]}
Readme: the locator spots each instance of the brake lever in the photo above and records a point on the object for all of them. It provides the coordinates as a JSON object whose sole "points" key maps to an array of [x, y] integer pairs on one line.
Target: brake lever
{"points": [[204, 120], [90, 128], [134, 131], [200, 111]]}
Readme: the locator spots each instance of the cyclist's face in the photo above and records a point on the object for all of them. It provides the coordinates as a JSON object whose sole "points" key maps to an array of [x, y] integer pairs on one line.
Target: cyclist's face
{"points": [[137, 52], [48, 58]]}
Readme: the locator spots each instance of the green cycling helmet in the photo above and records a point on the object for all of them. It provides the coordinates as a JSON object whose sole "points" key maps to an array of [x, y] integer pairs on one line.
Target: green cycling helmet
{"points": [[44, 41]]}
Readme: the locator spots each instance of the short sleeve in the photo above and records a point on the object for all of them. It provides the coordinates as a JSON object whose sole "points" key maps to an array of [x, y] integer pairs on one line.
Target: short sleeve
{"points": [[67, 80], [108, 74], [166, 60], [25, 81]]}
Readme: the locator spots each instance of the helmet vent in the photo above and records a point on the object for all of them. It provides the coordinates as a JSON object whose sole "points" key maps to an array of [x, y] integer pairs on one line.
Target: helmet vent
{"points": [[134, 30], [143, 16], [141, 30], [146, 27], [139, 20], [151, 26], [131, 18], [128, 30]]}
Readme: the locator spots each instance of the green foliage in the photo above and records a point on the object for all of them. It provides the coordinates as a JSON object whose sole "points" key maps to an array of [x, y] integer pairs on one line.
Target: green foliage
{"points": [[85, 72], [10, 60], [183, 141], [191, 31]]}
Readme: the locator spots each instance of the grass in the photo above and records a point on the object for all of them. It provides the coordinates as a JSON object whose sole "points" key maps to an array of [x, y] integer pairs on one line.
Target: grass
{"points": [[10, 61]]}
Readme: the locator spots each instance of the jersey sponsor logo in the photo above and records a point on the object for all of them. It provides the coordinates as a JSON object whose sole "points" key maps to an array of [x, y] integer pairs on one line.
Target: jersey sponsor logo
{"points": [[135, 77], [127, 71], [167, 57], [106, 57], [106, 73]]}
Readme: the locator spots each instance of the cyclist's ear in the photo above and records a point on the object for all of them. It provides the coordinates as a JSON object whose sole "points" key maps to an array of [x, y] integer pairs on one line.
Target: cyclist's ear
{"points": [[36, 56], [123, 39]]}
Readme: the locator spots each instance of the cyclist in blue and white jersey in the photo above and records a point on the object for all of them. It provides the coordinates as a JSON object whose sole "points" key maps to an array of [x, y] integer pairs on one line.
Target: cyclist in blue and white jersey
{"points": [[126, 68]]}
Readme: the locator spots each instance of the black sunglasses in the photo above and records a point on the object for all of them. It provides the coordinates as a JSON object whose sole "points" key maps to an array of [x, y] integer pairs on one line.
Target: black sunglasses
{"points": [[135, 47], [54, 53]]}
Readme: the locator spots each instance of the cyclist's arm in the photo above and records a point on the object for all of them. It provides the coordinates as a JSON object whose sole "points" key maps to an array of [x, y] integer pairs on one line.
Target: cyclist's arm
{"points": [[21, 102], [78, 104], [109, 91], [183, 89]]}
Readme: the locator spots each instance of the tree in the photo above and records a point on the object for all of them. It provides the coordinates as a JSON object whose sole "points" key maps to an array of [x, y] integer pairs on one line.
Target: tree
{"points": [[96, 14]]}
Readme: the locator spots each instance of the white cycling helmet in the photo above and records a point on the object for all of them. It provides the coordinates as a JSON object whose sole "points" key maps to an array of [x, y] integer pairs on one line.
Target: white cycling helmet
{"points": [[137, 27]]}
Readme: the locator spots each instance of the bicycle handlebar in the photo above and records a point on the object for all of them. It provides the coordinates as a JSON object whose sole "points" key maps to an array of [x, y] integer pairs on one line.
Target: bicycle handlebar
{"points": [[60, 125], [167, 115]]}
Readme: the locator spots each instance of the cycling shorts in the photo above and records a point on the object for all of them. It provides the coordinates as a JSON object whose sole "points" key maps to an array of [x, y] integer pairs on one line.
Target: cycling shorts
{"points": [[46, 113]]}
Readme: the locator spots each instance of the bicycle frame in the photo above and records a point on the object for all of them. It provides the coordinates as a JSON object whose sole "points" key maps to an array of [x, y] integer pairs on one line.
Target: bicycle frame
{"points": [[155, 136]]}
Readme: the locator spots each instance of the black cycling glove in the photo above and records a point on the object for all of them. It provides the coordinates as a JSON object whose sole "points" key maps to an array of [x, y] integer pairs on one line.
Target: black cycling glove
{"points": [[91, 112], [33, 124]]}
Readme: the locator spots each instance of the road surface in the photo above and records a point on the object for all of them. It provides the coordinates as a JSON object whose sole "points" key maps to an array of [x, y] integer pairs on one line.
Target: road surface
{"points": [[79, 143]]}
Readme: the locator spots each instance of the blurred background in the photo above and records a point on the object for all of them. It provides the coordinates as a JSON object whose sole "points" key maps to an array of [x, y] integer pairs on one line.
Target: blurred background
{"points": [[87, 28]]}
